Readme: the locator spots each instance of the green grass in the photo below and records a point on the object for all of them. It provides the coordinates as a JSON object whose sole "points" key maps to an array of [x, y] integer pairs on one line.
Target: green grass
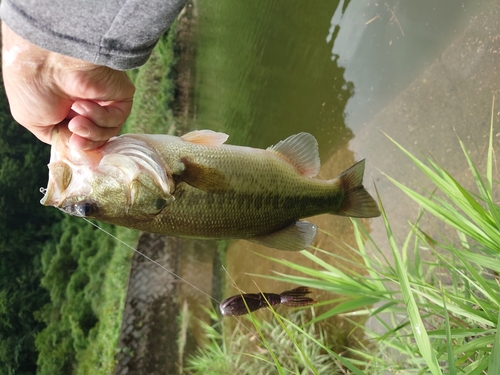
{"points": [[155, 91], [280, 346], [100, 354], [438, 316], [86, 273]]}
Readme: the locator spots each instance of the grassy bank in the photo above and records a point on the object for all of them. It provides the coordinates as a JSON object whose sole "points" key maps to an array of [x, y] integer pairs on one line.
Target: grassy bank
{"points": [[86, 270], [155, 90], [438, 316]]}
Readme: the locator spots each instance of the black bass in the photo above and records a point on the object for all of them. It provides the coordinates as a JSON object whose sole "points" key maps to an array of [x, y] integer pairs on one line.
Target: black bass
{"points": [[197, 186]]}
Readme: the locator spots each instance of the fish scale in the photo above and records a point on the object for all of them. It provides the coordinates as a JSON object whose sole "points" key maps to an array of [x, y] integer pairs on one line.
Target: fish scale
{"points": [[197, 186], [243, 210]]}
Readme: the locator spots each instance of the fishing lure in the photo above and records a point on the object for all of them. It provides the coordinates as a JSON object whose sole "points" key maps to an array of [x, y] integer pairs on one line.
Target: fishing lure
{"points": [[242, 304]]}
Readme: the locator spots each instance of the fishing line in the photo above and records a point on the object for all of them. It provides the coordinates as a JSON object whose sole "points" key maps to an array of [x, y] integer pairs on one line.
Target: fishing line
{"points": [[173, 273], [153, 261]]}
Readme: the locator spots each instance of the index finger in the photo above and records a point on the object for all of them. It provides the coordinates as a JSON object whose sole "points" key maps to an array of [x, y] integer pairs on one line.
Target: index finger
{"points": [[109, 115]]}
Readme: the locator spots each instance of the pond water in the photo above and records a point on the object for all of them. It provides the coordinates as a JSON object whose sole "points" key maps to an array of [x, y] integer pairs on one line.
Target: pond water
{"points": [[346, 72]]}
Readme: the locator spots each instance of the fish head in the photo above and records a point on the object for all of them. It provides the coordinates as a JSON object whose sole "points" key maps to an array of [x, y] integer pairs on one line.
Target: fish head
{"points": [[86, 190], [121, 182]]}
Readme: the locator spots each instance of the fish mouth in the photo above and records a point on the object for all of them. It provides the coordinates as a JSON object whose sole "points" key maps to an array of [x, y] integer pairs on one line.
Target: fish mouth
{"points": [[60, 175], [45, 192], [58, 169], [51, 194], [64, 164], [81, 208], [61, 193]]}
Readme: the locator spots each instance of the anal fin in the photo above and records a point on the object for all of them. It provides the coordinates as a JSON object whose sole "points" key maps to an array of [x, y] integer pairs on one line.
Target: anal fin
{"points": [[295, 237]]}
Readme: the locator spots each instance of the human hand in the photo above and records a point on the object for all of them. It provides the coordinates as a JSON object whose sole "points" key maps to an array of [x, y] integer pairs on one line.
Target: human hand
{"points": [[46, 89]]}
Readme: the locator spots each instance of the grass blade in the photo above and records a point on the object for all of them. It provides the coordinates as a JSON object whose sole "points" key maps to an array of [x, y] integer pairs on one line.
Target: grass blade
{"points": [[494, 365], [417, 324]]}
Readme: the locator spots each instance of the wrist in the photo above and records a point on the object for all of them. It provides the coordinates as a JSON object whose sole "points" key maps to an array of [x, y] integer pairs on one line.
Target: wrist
{"points": [[30, 62], [18, 52]]}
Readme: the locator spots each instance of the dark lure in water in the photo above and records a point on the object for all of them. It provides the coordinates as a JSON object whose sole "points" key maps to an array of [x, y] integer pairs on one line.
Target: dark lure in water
{"points": [[242, 304]]}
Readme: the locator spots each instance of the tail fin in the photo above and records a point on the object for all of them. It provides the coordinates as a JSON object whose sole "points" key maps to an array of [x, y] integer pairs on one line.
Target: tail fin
{"points": [[357, 202], [296, 297]]}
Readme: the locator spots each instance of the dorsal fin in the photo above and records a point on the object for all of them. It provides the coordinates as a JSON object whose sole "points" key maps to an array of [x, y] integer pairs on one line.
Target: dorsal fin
{"points": [[205, 137], [301, 150]]}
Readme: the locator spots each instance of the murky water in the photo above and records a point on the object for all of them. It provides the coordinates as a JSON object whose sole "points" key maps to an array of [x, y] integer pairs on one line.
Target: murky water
{"points": [[344, 71]]}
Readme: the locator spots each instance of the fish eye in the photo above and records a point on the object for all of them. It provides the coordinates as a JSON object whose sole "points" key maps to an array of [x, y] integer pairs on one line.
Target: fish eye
{"points": [[86, 208]]}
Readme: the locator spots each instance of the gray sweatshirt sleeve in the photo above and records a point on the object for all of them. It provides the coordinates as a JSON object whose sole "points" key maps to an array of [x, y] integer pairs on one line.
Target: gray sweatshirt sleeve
{"points": [[119, 34]]}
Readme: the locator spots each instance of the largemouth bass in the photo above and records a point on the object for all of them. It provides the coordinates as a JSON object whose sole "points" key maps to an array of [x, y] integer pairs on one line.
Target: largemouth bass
{"points": [[197, 186]]}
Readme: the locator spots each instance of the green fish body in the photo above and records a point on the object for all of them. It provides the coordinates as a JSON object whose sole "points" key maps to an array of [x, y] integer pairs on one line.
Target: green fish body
{"points": [[197, 186]]}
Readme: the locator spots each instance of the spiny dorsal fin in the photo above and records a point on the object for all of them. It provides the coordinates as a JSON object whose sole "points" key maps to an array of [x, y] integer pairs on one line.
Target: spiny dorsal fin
{"points": [[205, 137], [202, 177], [301, 150]]}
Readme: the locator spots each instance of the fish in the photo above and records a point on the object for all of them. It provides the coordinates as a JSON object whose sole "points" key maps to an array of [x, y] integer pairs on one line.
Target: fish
{"points": [[197, 186], [244, 303]]}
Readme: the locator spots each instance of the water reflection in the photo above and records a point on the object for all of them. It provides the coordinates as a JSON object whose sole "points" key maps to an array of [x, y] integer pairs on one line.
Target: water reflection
{"points": [[384, 45], [263, 72], [267, 73]]}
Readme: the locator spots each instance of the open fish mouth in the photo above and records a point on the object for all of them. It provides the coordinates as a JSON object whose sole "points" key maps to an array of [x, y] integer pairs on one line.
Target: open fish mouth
{"points": [[84, 208]]}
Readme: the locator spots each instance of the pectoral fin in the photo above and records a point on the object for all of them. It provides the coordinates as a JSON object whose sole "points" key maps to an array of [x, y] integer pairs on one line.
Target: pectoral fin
{"points": [[202, 177], [147, 199], [295, 237]]}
